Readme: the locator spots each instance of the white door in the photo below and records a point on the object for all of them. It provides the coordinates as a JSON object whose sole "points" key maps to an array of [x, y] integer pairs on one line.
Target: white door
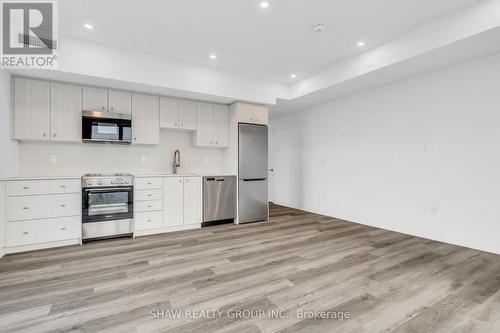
{"points": [[119, 101], [173, 204], [221, 126], [187, 115], [65, 112], [192, 200], [31, 109], [169, 112], [204, 125], [95, 99], [146, 118]]}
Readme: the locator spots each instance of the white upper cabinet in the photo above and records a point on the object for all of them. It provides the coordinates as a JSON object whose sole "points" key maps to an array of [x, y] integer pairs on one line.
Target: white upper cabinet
{"points": [[252, 113], [212, 128], [204, 136], [120, 101], [145, 119], [65, 112], [193, 202], [187, 115], [221, 125], [95, 99], [31, 109], [169, 112], [177, 114]]}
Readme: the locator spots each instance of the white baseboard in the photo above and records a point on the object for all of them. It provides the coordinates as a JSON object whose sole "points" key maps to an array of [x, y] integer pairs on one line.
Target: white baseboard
{"points": [[166, 230], [41, 246], [463, 241]]}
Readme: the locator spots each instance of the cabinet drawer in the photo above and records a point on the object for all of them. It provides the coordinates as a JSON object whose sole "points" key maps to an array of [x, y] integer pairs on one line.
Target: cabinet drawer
{"points": [[65, 186], [42, 206], [148, 195], [27, 187], [42, 231], [148, 220], [65, 205], [148, 206], [148, 183]]}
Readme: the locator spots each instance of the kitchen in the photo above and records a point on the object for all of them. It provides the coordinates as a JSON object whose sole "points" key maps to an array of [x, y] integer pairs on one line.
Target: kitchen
{"points": [[96, 128]]}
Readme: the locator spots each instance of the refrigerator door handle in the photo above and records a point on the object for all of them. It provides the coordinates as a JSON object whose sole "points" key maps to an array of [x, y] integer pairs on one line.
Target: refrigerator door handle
{"points": [[254, 180]]}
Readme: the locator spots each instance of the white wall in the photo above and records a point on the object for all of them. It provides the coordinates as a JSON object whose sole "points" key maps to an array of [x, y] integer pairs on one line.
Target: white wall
{"points": [[78, 158], [365, 158]]}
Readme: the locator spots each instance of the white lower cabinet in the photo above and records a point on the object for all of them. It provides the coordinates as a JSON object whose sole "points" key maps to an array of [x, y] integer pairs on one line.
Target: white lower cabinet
{"points": [[182, 201], [148, 220], [148, 205], [173, 191], [42, 213], [43, 231]]}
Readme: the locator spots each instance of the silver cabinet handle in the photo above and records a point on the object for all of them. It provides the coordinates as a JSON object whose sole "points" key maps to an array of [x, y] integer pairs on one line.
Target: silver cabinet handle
{"points": [[26, 188], [112, 108], [44, 135], [149, 194], [104, 108], [63, 186], [54, 135], [25, 233], [63, 205], [182, 125], [175, 124], [63, 229], [149, 206], [149, 220], [26, 208]]}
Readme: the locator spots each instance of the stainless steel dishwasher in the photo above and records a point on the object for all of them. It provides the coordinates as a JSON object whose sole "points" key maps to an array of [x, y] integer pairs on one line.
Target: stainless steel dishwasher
{"points": [[219, 199]]}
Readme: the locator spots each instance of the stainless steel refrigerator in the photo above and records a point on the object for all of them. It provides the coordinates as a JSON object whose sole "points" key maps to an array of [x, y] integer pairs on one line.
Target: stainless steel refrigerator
{"points": [[252, 176]]}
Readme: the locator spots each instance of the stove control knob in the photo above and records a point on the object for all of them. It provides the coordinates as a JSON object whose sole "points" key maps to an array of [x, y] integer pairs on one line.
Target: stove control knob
{"points": [[126, 182], [100, 183], [112, 182], [89, 183]]}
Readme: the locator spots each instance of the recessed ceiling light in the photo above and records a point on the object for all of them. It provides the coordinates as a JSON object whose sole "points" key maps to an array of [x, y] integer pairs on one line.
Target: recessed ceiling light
{"points": [[264, 4], [88, 26], [293, 76], [213, 56], [361, 43]]}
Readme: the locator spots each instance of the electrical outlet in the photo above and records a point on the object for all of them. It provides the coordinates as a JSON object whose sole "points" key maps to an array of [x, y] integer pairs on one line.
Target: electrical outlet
{"points": [[53, 159], [207, 160], [434, 210], [144, 159]]}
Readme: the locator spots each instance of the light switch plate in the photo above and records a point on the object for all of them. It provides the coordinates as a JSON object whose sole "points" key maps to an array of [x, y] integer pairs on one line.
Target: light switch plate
{"points": [[53, 159]]}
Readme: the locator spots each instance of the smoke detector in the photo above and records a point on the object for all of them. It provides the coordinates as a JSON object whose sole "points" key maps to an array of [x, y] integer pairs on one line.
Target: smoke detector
{"points": [[319, 28]]}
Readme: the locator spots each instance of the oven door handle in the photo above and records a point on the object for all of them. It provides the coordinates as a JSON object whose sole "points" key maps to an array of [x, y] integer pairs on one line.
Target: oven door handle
{"points": [[114, 189]]}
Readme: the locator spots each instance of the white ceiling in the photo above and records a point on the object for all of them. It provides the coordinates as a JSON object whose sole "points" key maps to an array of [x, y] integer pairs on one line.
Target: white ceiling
{"points": [[248, 40]]}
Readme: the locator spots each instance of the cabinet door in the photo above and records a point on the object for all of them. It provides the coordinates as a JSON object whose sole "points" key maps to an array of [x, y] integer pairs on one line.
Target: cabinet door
{"points": [[119, 101], [204, 125], [221, 126], [31, 109], [146, 118], [260, 115], [173, 204], [95, 99], [245, 113], [169, 112], [192, 200], [65, 112], [187, 115]]}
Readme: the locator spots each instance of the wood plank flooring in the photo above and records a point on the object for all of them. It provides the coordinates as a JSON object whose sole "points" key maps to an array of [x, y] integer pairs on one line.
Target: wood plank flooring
{"points": [[295, 264]]}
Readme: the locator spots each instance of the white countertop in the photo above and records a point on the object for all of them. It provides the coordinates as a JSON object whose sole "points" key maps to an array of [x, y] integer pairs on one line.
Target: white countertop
{"points": [[39, 178], [186, 174]]}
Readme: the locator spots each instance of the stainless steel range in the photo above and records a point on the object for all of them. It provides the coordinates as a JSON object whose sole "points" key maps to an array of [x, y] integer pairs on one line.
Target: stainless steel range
{"points": [[107, 206]]}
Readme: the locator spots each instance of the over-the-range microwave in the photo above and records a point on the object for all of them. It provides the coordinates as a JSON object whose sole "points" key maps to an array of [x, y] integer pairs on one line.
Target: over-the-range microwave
{"points": [[106, 127]]}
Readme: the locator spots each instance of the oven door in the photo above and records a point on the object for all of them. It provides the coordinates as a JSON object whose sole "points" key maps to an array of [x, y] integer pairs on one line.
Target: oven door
{"points": [[107, 204]]}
